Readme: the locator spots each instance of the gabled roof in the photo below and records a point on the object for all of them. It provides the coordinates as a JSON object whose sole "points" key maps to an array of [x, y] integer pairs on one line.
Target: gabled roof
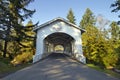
{"points": [[57, 19]]}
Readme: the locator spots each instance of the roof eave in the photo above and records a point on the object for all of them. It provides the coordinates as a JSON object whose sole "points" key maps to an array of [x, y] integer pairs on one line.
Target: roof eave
{"points": [[61, 19]]}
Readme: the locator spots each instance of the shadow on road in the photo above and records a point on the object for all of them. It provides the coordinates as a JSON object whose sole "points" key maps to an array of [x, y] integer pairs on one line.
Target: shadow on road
{"points": [[58, 66]]}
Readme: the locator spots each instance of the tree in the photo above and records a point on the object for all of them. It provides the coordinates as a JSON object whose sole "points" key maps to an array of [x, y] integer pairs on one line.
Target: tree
{"points": [[115, 29], [90, 38], [26, 53], [97, 49], [29, 42], [116, 6], [102, 22], [115, 39], [87, 19], [117, 50], [87, 23], [1, 47], [71, 16], [12, 13]]}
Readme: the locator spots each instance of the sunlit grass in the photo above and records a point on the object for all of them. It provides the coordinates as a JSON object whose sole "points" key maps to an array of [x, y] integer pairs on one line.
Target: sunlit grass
{"points": [[109, 72]]}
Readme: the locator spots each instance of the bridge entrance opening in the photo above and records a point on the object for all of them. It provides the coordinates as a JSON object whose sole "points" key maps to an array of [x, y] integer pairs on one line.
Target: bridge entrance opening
{"points": [[58, 43], [59, 49], [58, 32]]}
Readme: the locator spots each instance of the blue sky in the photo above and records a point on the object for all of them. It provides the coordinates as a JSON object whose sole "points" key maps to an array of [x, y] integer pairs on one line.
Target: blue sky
{"points": [[50, 9]]}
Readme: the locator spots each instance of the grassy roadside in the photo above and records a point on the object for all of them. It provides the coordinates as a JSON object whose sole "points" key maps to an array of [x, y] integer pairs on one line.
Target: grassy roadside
{"points": [[109, 72], [6, 68]]}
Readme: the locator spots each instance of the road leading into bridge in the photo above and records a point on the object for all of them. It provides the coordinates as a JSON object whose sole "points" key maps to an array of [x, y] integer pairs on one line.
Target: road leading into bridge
{"points": [[58, 67]]}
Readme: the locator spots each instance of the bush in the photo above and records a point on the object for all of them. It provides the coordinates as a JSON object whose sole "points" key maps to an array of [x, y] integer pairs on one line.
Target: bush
{"points": [[22, 58], [110, 60]]}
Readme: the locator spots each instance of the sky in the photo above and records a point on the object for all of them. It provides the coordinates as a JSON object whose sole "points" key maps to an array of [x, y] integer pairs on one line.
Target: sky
{"points": [[47, 10]]}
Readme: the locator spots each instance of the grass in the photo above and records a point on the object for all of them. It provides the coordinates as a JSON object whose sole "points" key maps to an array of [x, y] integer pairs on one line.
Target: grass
{"points": [[109, 72], [7, 68]]}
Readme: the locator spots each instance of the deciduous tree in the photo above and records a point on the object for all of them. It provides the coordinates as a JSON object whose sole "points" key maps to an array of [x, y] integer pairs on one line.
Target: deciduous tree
{"points": [[115, 29]]}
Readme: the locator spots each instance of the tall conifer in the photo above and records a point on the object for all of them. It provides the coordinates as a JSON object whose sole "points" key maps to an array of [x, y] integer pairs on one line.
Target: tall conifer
{"points": [[71, 16], [12, 14], [87, 19]]}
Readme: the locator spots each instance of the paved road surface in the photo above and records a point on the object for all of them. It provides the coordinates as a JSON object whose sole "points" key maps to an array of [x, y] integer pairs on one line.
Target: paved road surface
{"points": [[58, 67]]}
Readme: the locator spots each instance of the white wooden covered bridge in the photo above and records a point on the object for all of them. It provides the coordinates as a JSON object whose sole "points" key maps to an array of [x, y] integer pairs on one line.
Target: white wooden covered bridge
{"points": [[59, 36]]}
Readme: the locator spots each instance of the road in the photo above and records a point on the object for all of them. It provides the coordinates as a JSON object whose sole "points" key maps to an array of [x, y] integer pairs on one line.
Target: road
{"points": [[58, 67]]}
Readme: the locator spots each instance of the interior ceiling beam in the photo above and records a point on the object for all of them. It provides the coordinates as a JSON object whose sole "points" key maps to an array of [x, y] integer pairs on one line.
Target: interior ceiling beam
{"points": [[60, 38], [56, 38]]}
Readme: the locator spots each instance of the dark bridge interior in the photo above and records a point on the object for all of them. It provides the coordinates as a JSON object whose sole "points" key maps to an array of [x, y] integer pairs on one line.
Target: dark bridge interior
{"points": [[58, 55], [59, 38], [65, 41]]}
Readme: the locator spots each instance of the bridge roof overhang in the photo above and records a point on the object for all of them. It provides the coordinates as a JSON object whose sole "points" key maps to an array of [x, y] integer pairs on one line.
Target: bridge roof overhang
{"points": [[58, 19]]}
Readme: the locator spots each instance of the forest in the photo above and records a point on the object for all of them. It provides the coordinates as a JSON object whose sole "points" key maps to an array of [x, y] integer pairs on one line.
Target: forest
{"points": [[101, 45]]}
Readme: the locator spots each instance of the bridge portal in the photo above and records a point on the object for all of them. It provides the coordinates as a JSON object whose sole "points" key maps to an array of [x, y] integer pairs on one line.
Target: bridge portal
{"points": [[59, 42], [59, 36]]}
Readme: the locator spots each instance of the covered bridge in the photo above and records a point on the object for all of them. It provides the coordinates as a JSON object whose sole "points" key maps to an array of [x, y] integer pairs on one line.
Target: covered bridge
{"points": [[59, 36]]}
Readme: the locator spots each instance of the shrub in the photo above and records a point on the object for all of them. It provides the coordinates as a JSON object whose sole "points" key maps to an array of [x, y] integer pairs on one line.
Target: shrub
{"points": [[110, 60], [22, 58]]}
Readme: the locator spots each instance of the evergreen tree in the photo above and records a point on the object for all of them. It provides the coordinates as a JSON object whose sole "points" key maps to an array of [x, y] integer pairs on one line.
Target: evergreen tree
{"points": [[87, 19], [12, 13], [29, 32], [116, 6], [71, 16], [96, 47], [28, 51]]}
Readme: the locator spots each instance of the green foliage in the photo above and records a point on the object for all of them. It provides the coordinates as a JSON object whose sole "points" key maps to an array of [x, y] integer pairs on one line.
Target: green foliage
{"points": [[71, 16], [22, 58], [25, 54], [6, 67], [4, 64], [91, 45], [97, 49], [87, 19], [116, 7], [117, 50], [1, 47], [12, 13], [110, 72], [12, 49], [115, 29], [110, 60]]}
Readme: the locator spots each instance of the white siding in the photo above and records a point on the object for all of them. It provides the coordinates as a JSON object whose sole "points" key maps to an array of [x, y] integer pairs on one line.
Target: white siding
{"points": [[58, 26]]}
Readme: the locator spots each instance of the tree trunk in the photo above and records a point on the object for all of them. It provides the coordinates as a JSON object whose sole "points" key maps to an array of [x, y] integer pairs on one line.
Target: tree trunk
{"points": [[5, 48]]}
